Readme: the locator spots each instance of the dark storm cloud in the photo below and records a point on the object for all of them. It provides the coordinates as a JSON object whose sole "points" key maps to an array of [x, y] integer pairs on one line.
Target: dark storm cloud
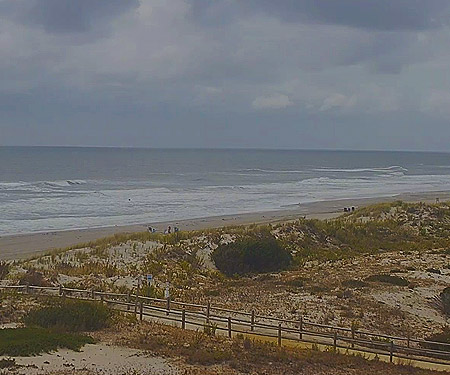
{"points": [[383, 15], [309, 73], [70, 16]]}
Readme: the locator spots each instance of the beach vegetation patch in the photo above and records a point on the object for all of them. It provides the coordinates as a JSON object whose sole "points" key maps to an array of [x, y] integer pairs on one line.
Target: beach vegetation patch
{"points": [[70, 315], [388, 279], [445, 298], [152, 291], [251, 255], [4, 269], [30, 341], [33, 277], [7, 363], [353, 283]]}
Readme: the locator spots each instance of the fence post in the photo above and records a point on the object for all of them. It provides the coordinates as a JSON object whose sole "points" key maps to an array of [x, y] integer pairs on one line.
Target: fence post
{"points": [[128, 300], [141, 309], [391, 356], [229, 326], [208, 308], [183, 318], [92, 294], [407, 341], [252, 326], [279, 334], [168, 305], [353, 336], [335, 341], [102, 298], [60, 289], [301, 327], [136, 302]]}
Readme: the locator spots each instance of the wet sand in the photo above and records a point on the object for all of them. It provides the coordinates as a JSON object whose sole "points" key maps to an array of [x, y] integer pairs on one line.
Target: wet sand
{"points": [[27, 245]]}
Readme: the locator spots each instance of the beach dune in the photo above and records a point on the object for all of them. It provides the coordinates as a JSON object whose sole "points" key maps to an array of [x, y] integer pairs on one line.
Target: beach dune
{"points": [[27, 245]]}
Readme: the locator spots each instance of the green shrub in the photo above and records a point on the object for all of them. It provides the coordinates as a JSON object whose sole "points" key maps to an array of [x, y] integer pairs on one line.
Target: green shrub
{"points": [[152, 291], [68, 315], [31, 341], [388, 279], [251, 255], [445, 298]]}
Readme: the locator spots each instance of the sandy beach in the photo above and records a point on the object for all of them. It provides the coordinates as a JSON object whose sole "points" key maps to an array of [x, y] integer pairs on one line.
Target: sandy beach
{"points": [[26, 245]]}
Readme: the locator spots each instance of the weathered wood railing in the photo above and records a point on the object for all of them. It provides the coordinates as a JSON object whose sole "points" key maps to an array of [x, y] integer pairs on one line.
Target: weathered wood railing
{"points": [[190, 315]]}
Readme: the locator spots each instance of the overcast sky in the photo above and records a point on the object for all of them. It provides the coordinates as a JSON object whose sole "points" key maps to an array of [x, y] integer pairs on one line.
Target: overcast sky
{"points": [[344, 74]]}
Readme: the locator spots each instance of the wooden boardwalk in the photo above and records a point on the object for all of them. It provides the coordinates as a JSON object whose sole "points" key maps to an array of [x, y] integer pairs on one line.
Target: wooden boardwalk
{"points": [[284, 332]]}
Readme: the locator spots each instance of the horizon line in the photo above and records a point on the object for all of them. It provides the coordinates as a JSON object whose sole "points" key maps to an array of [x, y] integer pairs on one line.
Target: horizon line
{"points": [[225, 148]]}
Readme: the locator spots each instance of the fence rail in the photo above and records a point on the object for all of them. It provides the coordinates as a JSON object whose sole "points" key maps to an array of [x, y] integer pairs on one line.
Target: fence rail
{"points": [[233, 321]]}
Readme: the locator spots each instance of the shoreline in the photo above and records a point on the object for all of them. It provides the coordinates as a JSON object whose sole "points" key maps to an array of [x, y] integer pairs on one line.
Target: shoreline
{"points": [[20, 246]]}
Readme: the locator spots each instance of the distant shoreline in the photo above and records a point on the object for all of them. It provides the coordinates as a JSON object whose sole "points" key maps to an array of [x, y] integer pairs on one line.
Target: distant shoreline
{"points": [[25, 245]]}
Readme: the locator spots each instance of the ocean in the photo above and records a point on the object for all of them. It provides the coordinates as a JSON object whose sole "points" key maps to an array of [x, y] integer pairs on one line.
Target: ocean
{"points": [[57, 188]]}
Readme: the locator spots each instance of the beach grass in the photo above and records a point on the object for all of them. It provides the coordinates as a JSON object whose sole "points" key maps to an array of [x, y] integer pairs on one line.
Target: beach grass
{"points": [[70, 315], [30, 341]]}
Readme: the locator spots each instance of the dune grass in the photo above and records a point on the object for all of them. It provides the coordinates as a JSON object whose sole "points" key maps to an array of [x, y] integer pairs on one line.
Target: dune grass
{"points": [[385, 227], [70, 315], [30, 341]]}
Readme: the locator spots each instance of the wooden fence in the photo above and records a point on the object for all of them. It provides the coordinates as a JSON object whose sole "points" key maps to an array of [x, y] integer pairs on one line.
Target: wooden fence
{"points": [[213, 318]]}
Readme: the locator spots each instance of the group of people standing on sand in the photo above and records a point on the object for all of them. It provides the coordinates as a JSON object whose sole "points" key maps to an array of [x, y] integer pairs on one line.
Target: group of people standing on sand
{"points": [[349, 209], [167, 231]]}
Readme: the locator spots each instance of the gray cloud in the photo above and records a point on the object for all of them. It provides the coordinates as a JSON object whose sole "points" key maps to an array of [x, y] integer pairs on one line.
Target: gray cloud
{"points": [[224, 73], [67, 16], [367, 14], [383, 15]]}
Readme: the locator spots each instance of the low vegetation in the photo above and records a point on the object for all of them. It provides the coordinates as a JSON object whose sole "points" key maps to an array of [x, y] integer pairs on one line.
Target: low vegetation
{"points": [[251, 255], [35, 340], [4, 269], [7, 363], [445, 298], [208, 354], [69, 315], [388, 279]]}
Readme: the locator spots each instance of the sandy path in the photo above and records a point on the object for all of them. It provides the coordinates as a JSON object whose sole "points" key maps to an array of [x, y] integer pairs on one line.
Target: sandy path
{"points": [[97, 358]]}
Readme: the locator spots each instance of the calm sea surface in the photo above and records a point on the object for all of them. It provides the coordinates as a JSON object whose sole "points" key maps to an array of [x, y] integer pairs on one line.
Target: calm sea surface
{"points": [[53, 188]]}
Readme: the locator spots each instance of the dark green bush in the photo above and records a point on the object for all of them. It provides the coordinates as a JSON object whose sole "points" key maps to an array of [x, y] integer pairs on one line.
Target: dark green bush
{"points": [[445, 298], [251, 255], [388, 279], [31, 341], [68, 315]]}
